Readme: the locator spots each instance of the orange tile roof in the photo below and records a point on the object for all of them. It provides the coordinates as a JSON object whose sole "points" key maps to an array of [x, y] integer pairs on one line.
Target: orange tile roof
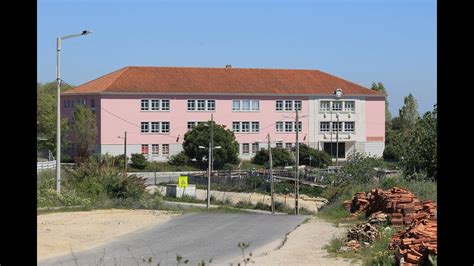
{"points": [[135, 79]]}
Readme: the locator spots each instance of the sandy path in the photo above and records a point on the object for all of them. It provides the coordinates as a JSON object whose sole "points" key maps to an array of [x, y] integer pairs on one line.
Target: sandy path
{"points": [[59, 232], [305, 246]]}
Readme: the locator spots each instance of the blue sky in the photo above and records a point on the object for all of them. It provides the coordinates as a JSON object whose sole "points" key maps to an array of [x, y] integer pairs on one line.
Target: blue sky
{"points": [[392, 41]]}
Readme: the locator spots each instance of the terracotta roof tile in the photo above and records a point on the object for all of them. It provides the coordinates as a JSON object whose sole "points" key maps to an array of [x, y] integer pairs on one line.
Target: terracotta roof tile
{"points": [[135, 79]]}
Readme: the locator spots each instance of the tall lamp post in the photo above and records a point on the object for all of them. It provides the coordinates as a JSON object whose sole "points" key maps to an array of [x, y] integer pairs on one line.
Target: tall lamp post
{"points": [[338, 94], [209, 172], [58, 121]]}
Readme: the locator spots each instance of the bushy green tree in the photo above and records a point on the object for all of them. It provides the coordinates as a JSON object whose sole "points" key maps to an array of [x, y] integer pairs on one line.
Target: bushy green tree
{"points": [[318, 158], [388, 117], [178, 159], [46, 117], [420, 154], [409, 112], [358, 169], [201, 136], [280, 157], [83, 131], [138, 161]]}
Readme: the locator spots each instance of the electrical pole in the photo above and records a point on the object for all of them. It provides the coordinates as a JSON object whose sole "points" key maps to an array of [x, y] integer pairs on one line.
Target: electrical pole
{"points": [[209, 178], [271, 174], [297, 181], [212, 142], [337, 138], [125, 153], [58, 116]]}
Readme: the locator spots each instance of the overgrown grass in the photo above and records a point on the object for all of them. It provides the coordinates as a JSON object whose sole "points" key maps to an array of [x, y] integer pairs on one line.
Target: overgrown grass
{"points": [[165, 167]]}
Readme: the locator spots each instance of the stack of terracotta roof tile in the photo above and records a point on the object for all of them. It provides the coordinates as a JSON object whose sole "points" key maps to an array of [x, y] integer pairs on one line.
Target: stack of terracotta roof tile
{"points": [[414, 244]]}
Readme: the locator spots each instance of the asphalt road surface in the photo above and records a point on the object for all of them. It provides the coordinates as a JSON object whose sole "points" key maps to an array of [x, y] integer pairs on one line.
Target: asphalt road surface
{"points": [[196, 237]]}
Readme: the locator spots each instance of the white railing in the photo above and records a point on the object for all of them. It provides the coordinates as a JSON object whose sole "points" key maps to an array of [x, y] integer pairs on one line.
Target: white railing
{"points": [[40, 166]]}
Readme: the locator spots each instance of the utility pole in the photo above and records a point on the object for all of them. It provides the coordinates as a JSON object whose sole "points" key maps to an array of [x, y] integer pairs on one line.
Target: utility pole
{"points": [[271, 173], [337, 138], [125, 153], [212, 142], [209, 178], [297, 181]]}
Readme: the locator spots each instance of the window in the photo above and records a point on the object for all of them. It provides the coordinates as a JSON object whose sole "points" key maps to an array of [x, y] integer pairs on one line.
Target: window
{"points": [[211, 105], [337, 106], [92, 103], [324, 106], [145, 105], [191, 105], [201, 106], [279, 126], [279, 105], [336, 126], [298, 105], [279, 145], [288, 105], [349, 106], [288, 126], [65, 104], [349, 126], [255, 105], [245, 105], [155, 105], [155, 127], [324, 126], [145, 149], [235, 105], [245, 126], [165, 127], [254, 147], [299, 126], [288, 146], [165, 149], [144, 127], [155, 149], [191, 125], [255, 126], [245, 148], [165, 105], [236, 126]]}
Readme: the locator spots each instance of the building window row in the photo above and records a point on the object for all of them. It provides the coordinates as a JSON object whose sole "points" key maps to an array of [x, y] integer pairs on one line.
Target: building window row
{"points": [[155, 105], [71, 103], [201, 105], [288, 105], [245, 105], [155, 149], [288, 126], [337, 126], [155, 127], [346, 106], [246, 148], [246, 127], [193, 124]]}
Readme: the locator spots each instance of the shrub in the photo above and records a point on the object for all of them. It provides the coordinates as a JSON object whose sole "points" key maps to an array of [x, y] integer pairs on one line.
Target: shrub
{"points": [[280, 157], [138, 161], [318, 158], [262, 206], [244, 204], [178, 159]]}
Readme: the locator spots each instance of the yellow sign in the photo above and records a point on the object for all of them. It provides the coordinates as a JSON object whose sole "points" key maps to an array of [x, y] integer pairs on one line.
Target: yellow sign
{"points": [[183, 181]]}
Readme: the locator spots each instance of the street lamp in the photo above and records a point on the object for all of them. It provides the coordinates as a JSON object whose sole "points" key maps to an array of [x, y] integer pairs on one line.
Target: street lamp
{"points": [[338, 94], [58, 122], [209, 172]]}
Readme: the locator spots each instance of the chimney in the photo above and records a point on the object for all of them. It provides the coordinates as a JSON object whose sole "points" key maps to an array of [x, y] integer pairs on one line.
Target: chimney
{"points": [[228, 66]]}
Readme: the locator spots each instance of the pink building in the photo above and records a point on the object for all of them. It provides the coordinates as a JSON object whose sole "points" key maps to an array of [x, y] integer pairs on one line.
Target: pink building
{"points": [[157, 105]]}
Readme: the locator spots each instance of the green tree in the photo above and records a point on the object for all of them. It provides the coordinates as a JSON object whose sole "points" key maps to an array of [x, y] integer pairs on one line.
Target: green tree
{"points": [[409, 112], [280, 157], [318, 158], [138, 161], [420, 153], [83, 131], [201, 136], [388, 116], [46, 117]]}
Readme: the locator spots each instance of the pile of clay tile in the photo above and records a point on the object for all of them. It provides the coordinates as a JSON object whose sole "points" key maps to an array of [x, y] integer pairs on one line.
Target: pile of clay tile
{"points": [[403, 209]]}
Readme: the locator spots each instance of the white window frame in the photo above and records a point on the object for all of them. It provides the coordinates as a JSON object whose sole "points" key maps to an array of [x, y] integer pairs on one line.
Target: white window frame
{"points": [[255, 147], [165, 105], [199, 106], [288, 105], [165, 127], [145, 126], [244, 102], [144, 105], [165, 150], [245, 147], [279, 126], [211, 105], [335, 126], [279, 145], [236, 127], [155, 149], [191, 125], [245, 127], [300, 124], [255, 126], [147, 149], [254, 105], [326, 127], [155, 127], [337, 103], [289, 125], [325, 106], [279, 105], [352, 128], [235, 105], [298, 105], [351, 109], [191, 105], [155, 105]]}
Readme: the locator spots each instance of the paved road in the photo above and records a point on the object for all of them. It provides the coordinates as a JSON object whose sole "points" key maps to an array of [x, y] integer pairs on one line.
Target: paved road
{"points": [[197, 236]]}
